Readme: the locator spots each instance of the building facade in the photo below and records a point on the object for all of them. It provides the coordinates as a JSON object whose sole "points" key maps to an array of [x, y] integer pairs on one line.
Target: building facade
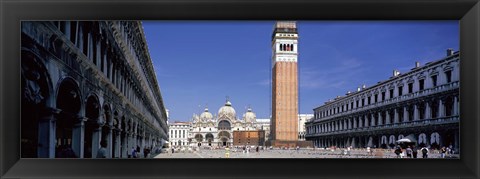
{"points": [[264, 124], [217, 130], [302, 119], [284, 126], [423, 103], [84, 82], [249, 138], [179, 132]]}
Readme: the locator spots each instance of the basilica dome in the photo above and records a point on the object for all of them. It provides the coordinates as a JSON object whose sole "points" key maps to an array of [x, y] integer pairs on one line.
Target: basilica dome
{"points": [[227, 111], [206, 116], [249, 116]]}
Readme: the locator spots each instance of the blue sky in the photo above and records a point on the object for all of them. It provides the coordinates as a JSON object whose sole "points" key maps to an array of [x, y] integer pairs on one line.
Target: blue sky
{"points": [[199, 63]]}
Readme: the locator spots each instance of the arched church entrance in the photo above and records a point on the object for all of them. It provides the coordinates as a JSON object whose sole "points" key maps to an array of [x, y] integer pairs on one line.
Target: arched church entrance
{"points": [[199, 139], [224, 137], [209, 138]]}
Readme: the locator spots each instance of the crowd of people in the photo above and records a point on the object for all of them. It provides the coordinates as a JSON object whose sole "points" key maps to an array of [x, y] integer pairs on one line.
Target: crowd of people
{"points": [[412, 152], [400, 151]]}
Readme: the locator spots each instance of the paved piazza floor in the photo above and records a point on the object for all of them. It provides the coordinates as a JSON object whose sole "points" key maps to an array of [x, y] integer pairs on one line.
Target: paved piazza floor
{"points": [[279, 153]]}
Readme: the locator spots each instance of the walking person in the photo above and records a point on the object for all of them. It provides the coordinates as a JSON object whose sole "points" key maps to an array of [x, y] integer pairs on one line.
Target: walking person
{"points": [[409, 152], [398, 151], [424, 152], [227, 152], [134, 152], [443, 151], [102, 152], [414, 152]]}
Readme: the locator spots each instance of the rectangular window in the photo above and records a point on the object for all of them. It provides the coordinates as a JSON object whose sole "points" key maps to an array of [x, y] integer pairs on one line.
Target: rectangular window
{"points": [[357, 103], [383, 96], [421, 84], [369, 99], [448, 74], [391, 93], [434, 80], [363, 101], [410, 87], [376, 98], [400, 90]]}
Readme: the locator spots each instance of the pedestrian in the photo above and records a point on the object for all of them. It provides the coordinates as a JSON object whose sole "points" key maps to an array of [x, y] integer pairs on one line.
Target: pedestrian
{"points": [[146, 151], [227, 152], [257, 149], [69, 153], [409, 152], [414, 152], [424, 152], [398, 151], [443, 151], [102, 152], [368, 151], [134, 152]]}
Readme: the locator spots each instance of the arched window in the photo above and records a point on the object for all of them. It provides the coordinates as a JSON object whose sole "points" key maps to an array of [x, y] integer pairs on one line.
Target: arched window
{"points": [[292, 47], [224, 125]]}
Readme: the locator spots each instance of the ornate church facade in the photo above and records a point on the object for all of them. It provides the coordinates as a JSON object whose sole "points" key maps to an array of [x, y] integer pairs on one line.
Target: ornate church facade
{"points": [[217, 130]]}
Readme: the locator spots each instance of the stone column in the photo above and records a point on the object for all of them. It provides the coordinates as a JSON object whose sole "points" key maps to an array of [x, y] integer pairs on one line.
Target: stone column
{"points": [[46, 136], [97, 137], [416, 115], [117, 143], [387, 117], [455, 106], [109, 142], [373, 119], [67, 29], [405, 114], [441, 108], [78, 137], [355, 122], [456, 139], [366, 120], [395, 116], [349, 123], [380, 119], [428, 111]]}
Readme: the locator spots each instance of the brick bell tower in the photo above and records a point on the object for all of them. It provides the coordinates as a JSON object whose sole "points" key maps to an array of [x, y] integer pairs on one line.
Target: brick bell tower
{"points": [[284, 122]]}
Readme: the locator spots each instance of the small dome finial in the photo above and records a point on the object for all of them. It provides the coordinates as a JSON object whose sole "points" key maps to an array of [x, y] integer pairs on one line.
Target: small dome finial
{"points": [[227, 103]]}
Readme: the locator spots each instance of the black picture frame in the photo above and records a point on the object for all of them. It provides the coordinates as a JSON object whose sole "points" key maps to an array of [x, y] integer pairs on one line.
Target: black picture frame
{"points": [[12, 12]]}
